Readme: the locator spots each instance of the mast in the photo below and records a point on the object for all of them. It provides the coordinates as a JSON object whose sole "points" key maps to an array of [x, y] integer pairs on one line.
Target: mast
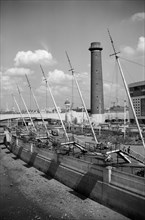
{"points": [[73, 74], [48, 86], [20, 111], [46, 96], [30, 100], [126, 88], [124, 118], [26, 108], [29, 85]]}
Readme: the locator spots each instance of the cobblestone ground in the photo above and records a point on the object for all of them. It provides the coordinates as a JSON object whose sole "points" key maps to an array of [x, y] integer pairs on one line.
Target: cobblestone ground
{"points": [[26, 193]]}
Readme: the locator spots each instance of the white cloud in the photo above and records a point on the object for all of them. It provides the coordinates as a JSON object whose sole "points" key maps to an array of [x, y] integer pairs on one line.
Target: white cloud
{"points": [[107, 86], [41, 89], [127, 51], [141, 44], [9, 77], [6, 82], [59, 90], [56, 90], [138, 16], [36, 57], [82, 75], [83, 79], [15, 71], [58, 81], [58, 76], [112, 87], [114, 93]]}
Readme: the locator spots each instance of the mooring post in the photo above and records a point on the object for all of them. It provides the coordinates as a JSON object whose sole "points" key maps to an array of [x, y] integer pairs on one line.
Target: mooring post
{"points": [[107, 174], [31, 147], [17, 141]]}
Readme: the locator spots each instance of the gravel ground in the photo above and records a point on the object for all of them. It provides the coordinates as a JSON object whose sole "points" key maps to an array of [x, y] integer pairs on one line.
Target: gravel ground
{"points": [[26, 193]]}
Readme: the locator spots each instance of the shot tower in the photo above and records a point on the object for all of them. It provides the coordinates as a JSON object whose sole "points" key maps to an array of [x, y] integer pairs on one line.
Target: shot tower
{"points": [[97, 100]]}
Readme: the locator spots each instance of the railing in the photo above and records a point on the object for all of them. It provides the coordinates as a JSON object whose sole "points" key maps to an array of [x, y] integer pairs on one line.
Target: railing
{"points": [[133, 154], [76, 140]]}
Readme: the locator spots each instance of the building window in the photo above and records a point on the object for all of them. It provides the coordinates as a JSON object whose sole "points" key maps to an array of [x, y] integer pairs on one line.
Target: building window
{"points": [[143, 107], [136, 88]]}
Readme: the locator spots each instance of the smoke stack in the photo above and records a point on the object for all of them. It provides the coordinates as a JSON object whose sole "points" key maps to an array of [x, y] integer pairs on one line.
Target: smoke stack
{"points": [[97, 100]]}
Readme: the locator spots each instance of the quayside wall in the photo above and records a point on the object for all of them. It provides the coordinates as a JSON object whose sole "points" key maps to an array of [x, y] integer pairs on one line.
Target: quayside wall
{"points": [[118, 190]]}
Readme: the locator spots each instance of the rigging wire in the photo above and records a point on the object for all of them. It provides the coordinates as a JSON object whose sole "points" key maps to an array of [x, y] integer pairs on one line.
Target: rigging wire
{"points": [[131, 61], [72, 102], [128, 74], [30, 101], [116, 89], [112, 82]]}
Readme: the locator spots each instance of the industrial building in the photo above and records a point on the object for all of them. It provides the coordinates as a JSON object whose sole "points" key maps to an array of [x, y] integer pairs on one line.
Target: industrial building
{"points": [[96, 96], [97, 100], [137, 93]]}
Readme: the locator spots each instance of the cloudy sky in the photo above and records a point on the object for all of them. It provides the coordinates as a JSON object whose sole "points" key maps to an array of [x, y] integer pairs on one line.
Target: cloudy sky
{"points": [[39, 32]]}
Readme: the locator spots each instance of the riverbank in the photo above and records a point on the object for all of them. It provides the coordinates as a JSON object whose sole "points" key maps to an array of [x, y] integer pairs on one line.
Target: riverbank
{"points": [[29, 194]]}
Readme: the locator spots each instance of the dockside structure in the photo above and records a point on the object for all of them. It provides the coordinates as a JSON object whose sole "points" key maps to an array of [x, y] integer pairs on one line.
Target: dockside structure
{"points": [[97, 99], [137, 93]]}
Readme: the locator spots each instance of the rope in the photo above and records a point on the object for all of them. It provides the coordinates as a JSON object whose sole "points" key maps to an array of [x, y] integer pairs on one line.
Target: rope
{"points": [[131, 61]]}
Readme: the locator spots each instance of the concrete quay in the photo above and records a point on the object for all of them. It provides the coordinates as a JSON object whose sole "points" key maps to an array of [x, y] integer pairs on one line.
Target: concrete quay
{"points": [[27, 193], [109, 187]]}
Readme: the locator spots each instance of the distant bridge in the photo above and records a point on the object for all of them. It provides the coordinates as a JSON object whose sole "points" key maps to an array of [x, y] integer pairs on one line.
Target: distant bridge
{"points": [[33, 115]]}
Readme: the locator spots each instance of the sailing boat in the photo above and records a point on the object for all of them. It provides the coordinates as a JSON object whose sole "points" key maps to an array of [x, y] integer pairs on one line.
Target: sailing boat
{"points": [[126, 88]]}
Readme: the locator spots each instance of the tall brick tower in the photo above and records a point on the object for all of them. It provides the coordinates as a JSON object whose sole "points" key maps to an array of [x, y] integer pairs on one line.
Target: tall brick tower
{"points": [[97, 99]]}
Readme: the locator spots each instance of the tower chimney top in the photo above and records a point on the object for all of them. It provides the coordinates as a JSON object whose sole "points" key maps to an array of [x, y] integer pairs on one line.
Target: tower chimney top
{"points": [[95, 46]]}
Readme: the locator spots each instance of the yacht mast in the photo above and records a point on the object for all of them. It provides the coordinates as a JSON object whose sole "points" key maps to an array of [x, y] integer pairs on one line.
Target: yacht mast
{"points": [[20, 111], [124, 118], [73, 74], [126, 88], [29, 85], [48, 86], [26, 108]]}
